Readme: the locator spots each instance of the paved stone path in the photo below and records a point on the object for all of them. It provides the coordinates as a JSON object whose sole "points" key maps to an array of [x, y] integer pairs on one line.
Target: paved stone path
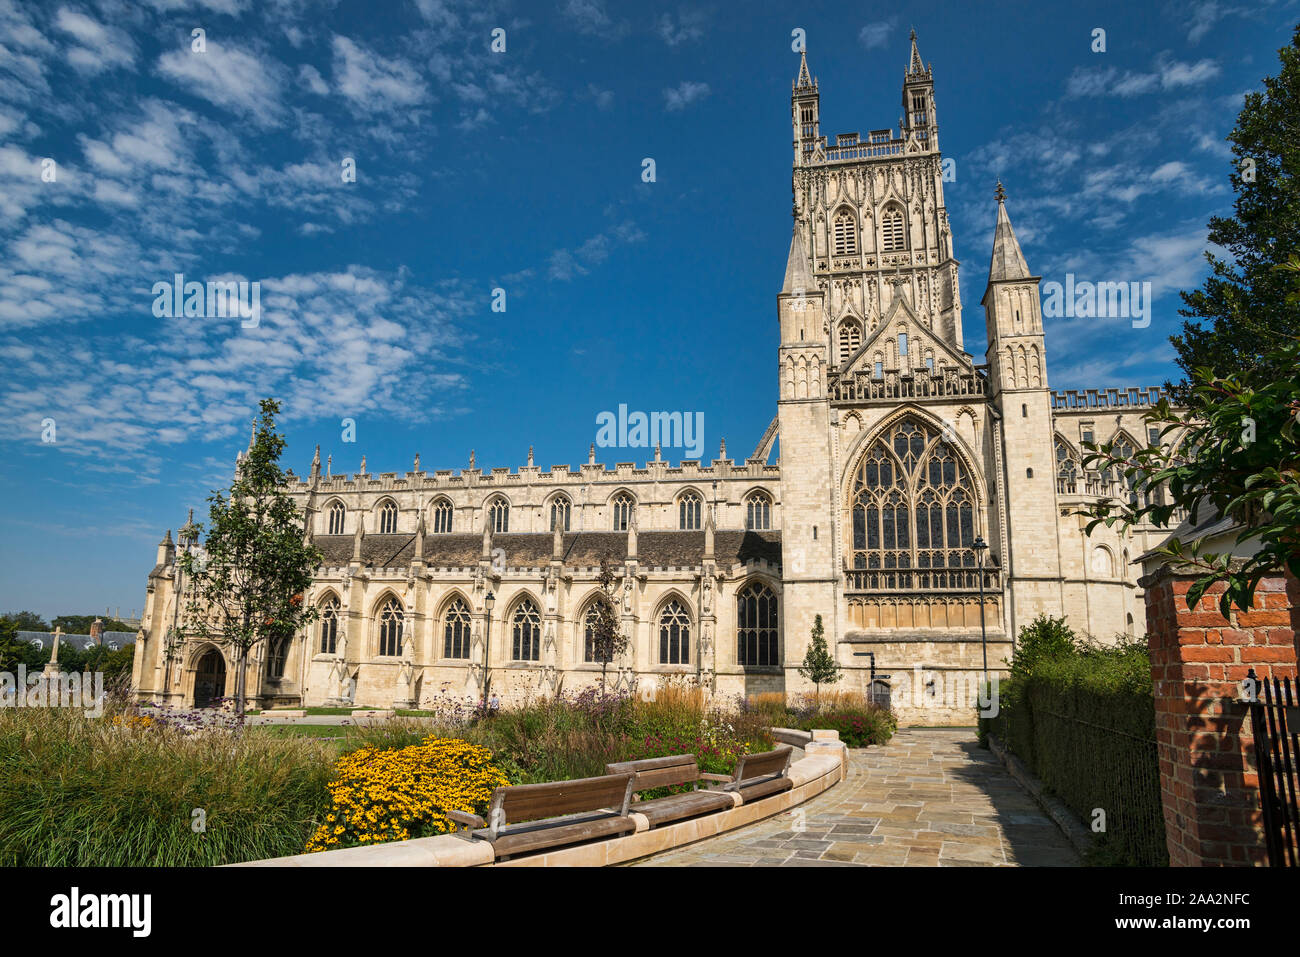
{"points": [[929, 797]]}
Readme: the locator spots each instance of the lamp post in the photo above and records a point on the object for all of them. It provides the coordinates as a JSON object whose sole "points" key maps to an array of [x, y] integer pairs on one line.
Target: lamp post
{"points": [[488, 601], [980, 547]]}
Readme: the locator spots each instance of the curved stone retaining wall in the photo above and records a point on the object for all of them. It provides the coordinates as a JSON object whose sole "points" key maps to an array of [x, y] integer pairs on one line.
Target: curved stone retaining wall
{"points": [[820, 770]]}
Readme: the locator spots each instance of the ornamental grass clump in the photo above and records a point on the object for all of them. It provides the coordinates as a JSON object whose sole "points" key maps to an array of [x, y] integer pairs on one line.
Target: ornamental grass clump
{"points": [[396, 794]]}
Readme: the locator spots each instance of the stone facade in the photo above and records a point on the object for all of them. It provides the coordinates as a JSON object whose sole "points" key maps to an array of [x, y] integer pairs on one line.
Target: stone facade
{"points": [[897, 451]]}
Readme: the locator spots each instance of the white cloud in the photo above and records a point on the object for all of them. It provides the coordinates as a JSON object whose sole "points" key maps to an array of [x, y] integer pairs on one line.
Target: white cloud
{"points": [[379, 84], [248, 84], [876, 34], [684, 94], [1168, 74], [98, 47], [686, 28]]}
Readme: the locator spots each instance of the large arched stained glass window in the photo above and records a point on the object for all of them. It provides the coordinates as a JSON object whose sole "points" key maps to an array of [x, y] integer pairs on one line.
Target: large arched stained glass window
{"points": [[337, 514], [674, 635], [329, 626], [756, 625], [390, 628], [912, 505], [456, 630], [526, 632]]}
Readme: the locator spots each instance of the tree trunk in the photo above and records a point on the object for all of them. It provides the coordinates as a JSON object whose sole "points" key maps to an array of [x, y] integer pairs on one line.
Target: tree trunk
{"points": [[239, 681]]}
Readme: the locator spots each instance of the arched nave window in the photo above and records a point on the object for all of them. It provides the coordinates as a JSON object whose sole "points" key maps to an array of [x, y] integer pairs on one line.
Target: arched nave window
{"points": [[623, 505], [674, 635], [456, 630], [390, 628], [499, 515], [329, 626], [561, 508], [526, 632], [846, 234], [442, 515], [337, 514], [893, 234], [388, 518], [756, 625], [688, 512], [758, 512]]}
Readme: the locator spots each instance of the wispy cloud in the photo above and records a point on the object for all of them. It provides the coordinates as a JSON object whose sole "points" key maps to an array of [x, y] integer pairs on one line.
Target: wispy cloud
{"points": [[684, 94]]}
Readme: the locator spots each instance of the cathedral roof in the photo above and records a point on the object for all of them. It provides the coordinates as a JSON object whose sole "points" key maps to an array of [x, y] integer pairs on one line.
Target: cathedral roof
{"points": [[797, 274], [1008, 261], [663, 549]]}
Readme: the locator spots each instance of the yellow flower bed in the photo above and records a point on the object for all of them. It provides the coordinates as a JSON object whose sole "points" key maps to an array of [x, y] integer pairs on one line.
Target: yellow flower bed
{"points": [[395, 794]]}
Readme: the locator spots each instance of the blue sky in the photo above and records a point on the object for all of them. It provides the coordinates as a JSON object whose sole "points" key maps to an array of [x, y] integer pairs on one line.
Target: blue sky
{"points": [[519, 170]]}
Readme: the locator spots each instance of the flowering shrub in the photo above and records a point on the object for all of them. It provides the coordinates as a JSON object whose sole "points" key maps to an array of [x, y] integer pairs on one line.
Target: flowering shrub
{"points": [[858, 728], [395, 794]]}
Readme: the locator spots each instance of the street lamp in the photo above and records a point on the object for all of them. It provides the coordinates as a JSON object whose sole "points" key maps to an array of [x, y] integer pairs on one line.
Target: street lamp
{"points": [[980, 547], [488, 601]]}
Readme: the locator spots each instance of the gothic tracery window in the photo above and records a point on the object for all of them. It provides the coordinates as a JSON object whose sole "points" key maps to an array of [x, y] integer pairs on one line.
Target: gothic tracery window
{"points": [[329, 626], [1067, 470], [688, 512], [846, 234], [456, 630], [674, 635], [442, 515], [337, 515], [913, 512], [623, 505], [526, 632], [561, 508], [390, 628], [499, 515], [756, 642], [388, 518], [758, 512]]}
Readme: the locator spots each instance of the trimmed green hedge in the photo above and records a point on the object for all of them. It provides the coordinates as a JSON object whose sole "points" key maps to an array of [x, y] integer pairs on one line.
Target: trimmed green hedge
{"points": [[1082, 719]]}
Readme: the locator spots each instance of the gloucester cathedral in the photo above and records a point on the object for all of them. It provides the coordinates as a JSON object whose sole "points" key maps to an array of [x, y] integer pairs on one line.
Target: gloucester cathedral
{"points": [[892, 457]]}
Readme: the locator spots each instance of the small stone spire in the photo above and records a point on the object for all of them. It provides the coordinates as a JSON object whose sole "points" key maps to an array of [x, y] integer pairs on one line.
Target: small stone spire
{"points": [[804, 81], [658, 453], [471, 460], [1008, 261], [487, 537], [416, 467], [798, 277], [188, 533], [530, 456], [557, 539], [358, 536], [363, 465], [419, 538], [722, 450], [631, 537], [915, 65], [166, 550], [329, 466], [315, 463], [591, 454]]}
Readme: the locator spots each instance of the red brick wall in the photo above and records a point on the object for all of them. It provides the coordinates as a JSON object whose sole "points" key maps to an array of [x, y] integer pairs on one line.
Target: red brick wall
{"points": [[1209, 787]]}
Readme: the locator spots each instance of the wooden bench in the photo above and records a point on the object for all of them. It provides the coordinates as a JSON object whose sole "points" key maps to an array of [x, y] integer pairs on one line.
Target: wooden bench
{"points": [[758, 775], [535, 817], [674, 770]]}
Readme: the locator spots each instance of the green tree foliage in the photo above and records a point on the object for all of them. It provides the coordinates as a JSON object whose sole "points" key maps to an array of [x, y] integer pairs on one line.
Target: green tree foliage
{"points": [[1244, 463], [27, 621], [819, 665], [1043, 639], [1242, 314], [607, 638], [11, 651], [80, 624], [248, 580]]}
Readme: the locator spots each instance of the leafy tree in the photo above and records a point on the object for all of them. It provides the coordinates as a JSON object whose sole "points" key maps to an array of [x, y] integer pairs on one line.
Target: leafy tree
{"points": [[607, 639], [819, 665], [248, 580], [80, 624], [1242, 313], [27, 621], [1043, 639], [11, 651], [1244, 464]]}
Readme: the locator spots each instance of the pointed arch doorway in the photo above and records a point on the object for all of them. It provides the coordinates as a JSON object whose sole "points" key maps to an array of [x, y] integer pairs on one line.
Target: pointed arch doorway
{"points": [[209, 679]]}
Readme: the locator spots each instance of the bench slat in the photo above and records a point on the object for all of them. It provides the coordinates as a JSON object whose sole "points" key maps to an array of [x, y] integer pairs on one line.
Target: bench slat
{"points": [[530, 802], [540, 838], [677, 807], [766, 762]]}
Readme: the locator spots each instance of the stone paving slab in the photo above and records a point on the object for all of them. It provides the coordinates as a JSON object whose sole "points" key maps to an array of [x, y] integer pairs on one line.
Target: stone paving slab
{"points": [[929, 798]]}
